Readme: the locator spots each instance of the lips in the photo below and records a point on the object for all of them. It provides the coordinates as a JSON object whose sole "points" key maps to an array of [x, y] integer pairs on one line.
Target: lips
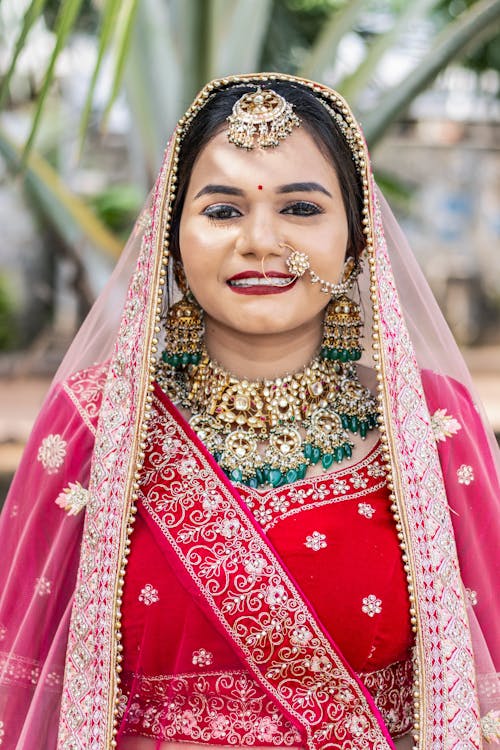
{"points": [[254, 282]]}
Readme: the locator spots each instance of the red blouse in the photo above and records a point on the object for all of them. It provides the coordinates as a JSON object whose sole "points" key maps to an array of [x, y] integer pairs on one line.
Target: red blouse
{"points": [[336, 536]]}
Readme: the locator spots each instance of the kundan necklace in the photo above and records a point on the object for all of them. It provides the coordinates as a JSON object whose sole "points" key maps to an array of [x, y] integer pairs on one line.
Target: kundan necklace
{"points": [[267, 432]]}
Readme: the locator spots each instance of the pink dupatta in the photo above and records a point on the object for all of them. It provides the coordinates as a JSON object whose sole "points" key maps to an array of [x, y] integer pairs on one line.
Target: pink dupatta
{"points": [[438, 505]]}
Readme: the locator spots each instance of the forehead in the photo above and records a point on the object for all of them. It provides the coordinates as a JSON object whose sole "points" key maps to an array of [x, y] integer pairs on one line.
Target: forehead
{"points": [[296, 159]]}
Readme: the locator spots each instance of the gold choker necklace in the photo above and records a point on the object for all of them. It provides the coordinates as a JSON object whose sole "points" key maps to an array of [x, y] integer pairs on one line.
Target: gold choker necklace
{"points": [[301, 418]]}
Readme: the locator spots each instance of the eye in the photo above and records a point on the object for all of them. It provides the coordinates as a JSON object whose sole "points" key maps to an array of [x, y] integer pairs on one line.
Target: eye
{"points": [[221, 212], [302, 208]]}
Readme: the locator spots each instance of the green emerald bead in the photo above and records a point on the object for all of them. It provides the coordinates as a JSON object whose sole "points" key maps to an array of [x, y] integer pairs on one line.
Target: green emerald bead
{"points": [[185, 358], [291, 476], [358, 354], [353, 424], [334, 354], [236, 475], [217, 456], [195, 358], [344, 355], [339, 454], [315, 455], [347, 450], [259, 475], [164, 355], [363, 429], [324, 353], [265, 474], [302, 471], [275, 477], [327, 460], [345, 421], [307, 451], [175, 360], [252, 482]]}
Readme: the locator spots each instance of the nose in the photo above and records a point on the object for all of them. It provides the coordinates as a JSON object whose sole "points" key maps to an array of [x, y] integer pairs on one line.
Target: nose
{"points": [[258, 237]]}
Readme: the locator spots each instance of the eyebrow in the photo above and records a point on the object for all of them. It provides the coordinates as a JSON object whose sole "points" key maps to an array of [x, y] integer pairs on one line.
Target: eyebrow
{"points": [[220, 189], [303, 187], [293, 187]]}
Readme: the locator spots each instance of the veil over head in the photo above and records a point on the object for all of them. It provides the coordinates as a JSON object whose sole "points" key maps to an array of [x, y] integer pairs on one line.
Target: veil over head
{"points": [[61, 576]]}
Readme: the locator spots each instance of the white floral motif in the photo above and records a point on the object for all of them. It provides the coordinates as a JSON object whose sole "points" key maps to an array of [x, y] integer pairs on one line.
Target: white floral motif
{"points": [[149, 595], [444, 425], [316, 541], [366, 510], [339, 487], [375, 469], [3, 632], [230, 528], [73, 498], [358, 481], [465, 474], [490, 726], [202, 658], [471, 596], [280, 504], [276, 595], [187, 467], [43, 587], [301, 635], [52, 453], [255, 565], [372, 605]]}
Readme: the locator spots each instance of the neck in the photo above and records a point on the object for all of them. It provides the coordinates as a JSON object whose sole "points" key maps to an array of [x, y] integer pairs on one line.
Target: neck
{"points": [[260, 356]]}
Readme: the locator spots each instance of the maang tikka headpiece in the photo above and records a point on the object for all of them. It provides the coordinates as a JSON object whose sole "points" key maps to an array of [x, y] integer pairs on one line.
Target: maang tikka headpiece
{"points": [[261, 119]]}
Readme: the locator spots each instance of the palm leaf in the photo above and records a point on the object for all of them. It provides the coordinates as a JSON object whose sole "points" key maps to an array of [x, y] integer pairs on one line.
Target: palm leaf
{"points": [[126, 18], [352, 85], [65, 21], [109, 15], [471, 28], [324, 50], [236, 34], [70, 215], [32, 14]]}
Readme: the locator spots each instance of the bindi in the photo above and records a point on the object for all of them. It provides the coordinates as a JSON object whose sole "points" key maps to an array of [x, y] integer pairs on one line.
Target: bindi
{"points": [[259, 187]]}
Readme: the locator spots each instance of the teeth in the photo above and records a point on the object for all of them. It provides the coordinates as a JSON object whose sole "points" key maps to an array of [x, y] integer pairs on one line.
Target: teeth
{"points": [[257, 281]]}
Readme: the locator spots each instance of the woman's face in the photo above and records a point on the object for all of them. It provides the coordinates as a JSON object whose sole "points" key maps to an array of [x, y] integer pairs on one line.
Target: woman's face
{"points": [[241, 209]]}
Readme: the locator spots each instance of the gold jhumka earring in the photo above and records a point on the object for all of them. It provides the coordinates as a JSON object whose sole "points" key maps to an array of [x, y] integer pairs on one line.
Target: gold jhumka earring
{"points": [[184, 326]]}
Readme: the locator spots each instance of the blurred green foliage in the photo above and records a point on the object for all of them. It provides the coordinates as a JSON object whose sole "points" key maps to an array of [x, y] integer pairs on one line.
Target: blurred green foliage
{"points": [[8, 328], [117, 207]]}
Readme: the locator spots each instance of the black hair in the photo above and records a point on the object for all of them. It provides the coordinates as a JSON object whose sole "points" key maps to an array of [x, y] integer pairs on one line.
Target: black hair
{"points": [[315, 119]]}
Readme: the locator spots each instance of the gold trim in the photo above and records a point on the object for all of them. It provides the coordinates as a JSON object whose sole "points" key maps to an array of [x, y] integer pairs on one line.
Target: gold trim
{"points": [[140, 432]]}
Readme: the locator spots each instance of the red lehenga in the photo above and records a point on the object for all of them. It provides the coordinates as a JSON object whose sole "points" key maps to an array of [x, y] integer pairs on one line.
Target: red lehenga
{"points": [[335, 535], [72, 612]]}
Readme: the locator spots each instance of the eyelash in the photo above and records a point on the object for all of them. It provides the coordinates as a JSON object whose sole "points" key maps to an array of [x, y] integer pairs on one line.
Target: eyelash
{"points": [[298, 208]]}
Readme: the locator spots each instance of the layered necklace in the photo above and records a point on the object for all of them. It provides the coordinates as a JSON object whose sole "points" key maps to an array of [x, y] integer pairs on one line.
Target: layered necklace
{"points": [[267, 432]]}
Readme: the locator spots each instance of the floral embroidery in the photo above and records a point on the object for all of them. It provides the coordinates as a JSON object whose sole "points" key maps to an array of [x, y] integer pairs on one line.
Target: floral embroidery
{"points": [[490, 726], [372, 605], [316, 541], [366, 510], [3, 632], [73, 498], [2, 733], [465, 474], [43, 587], [301, 635], [149, 595], [202, 658], [358, 482], [444, 425], [224, 707], [375, 469], [52, 453], [471, 596]]}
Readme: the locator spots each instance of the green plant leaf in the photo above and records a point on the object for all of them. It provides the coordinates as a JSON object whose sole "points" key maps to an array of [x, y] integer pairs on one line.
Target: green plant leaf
{"points": [[68, 213], [124, 26], [324, 50], [66, 18], [32, 14], [471, 28], [108, 22]]}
